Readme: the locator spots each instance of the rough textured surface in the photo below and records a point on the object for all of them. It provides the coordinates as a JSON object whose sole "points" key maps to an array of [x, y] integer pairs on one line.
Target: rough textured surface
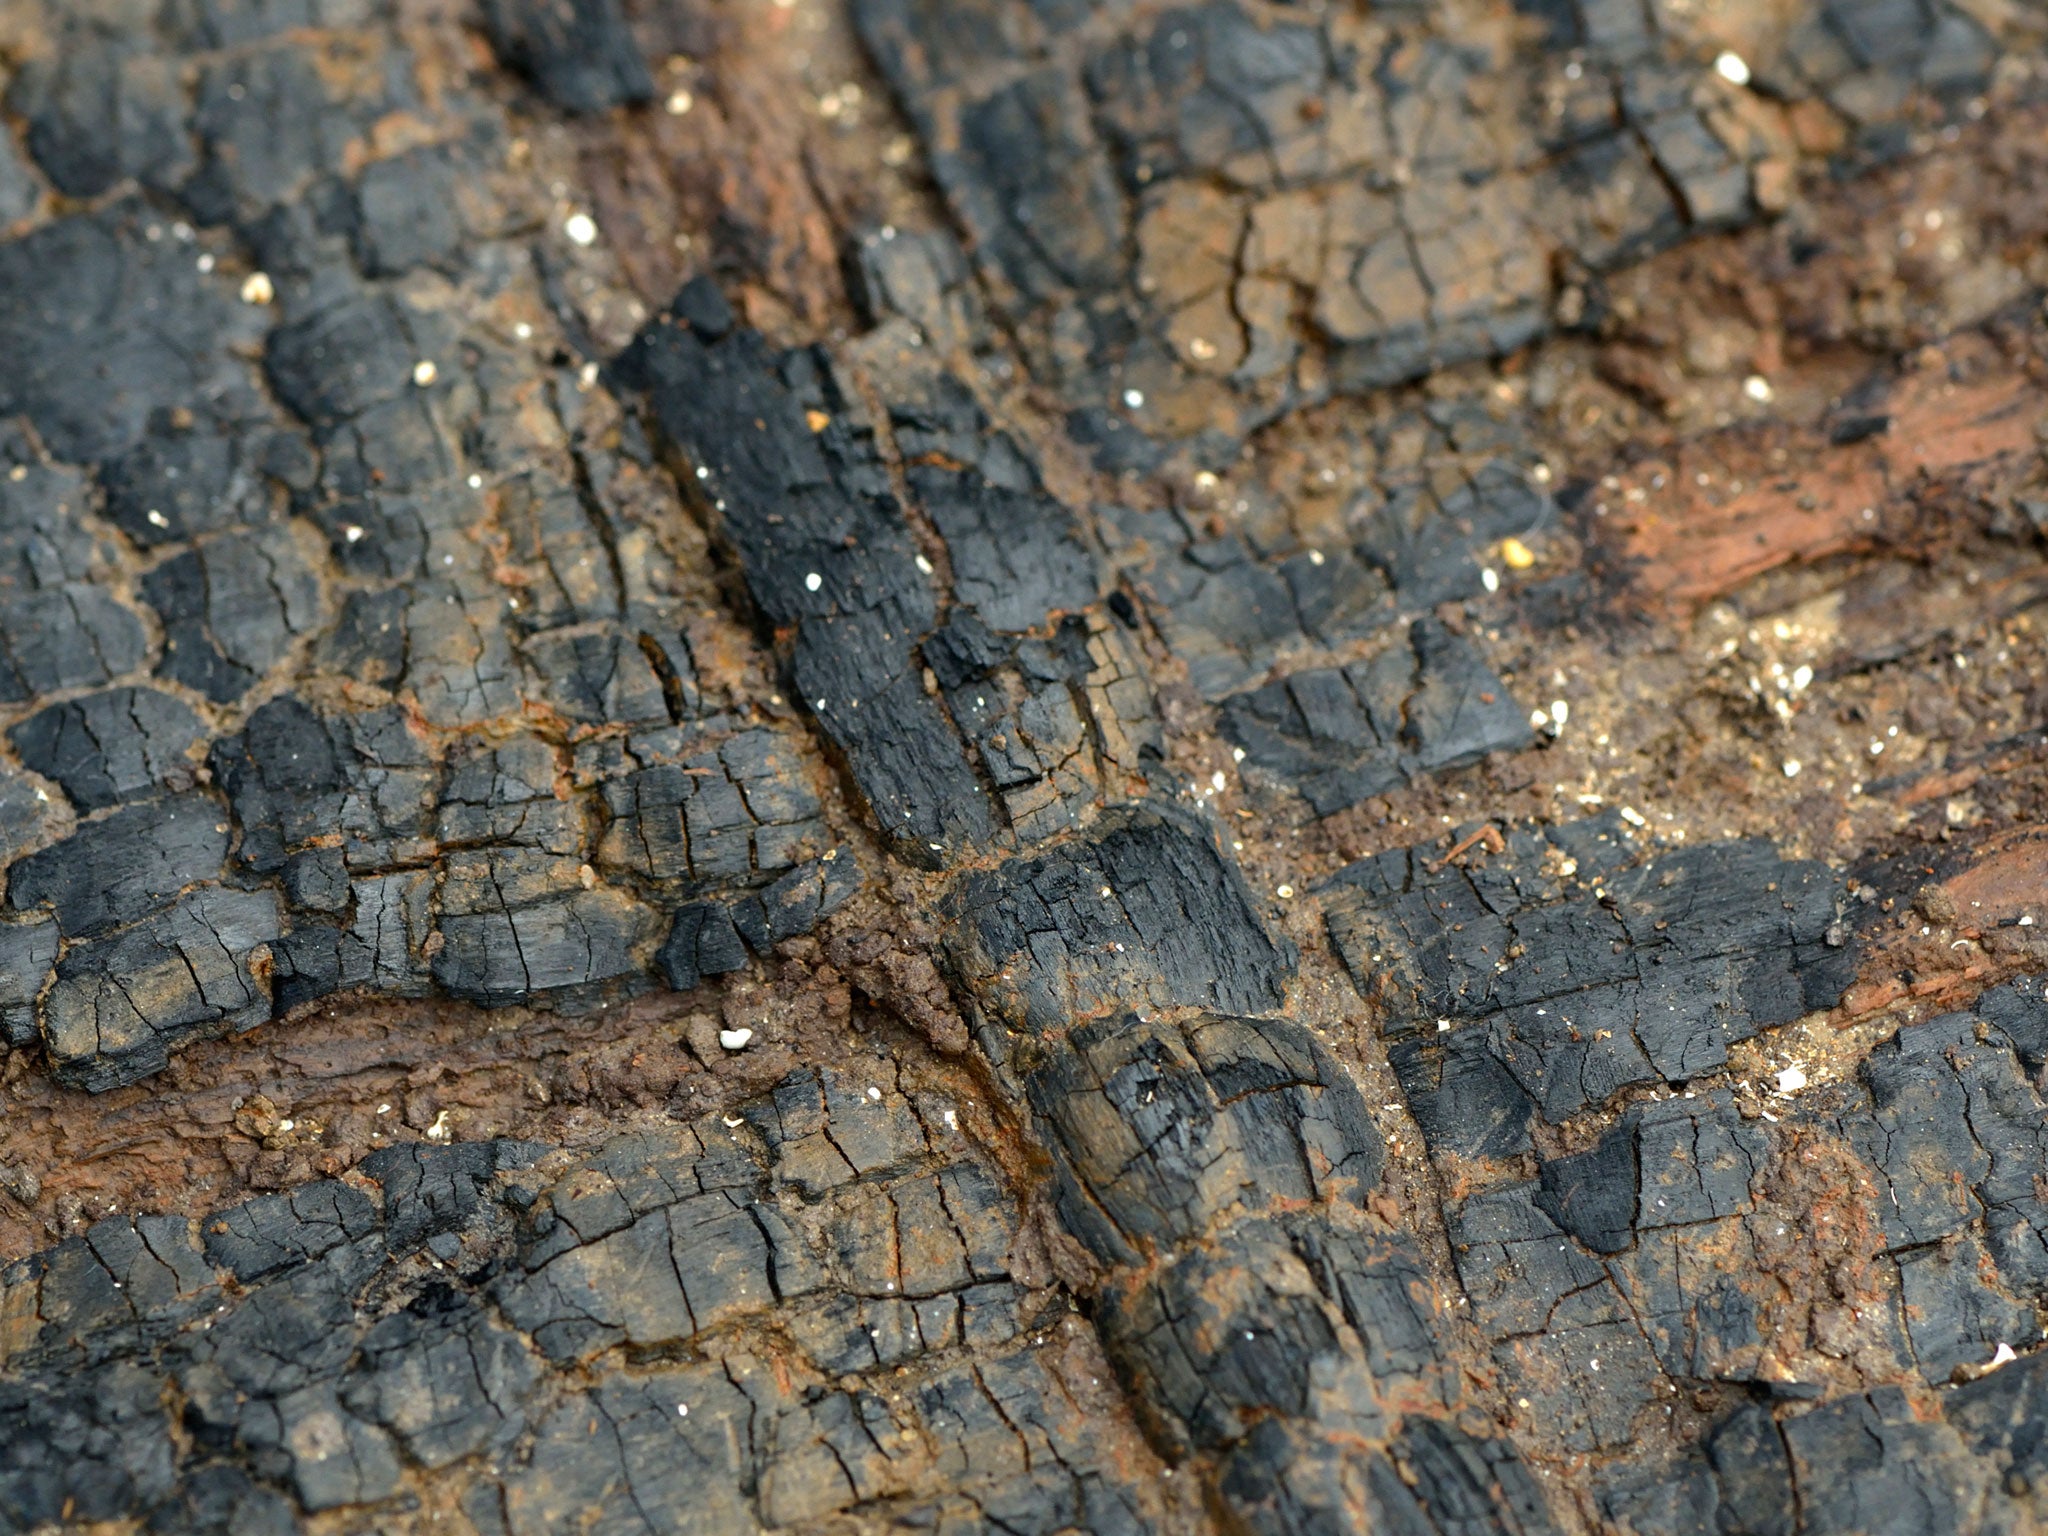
{"points": [[1023, 766], [448, 1303], [1200, 214], [1547, 983]]}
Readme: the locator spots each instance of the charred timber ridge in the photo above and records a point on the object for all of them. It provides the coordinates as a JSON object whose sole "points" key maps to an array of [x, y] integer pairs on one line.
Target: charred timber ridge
{"points": [[937, 822]]}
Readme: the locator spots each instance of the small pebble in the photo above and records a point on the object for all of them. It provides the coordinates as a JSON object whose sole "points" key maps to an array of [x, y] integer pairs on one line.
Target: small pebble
{"points": [[735, 1039]]}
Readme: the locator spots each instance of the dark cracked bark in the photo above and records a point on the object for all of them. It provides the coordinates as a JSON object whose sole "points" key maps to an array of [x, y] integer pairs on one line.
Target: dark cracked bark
{"points": [[1022, 767]]}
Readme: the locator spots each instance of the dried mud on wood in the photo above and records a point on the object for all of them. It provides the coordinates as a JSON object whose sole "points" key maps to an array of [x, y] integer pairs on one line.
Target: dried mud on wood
{"points": [[862, 765]]}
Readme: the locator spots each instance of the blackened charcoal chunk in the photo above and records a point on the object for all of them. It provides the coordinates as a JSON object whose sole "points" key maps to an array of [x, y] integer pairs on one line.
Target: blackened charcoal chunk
{"points": [[1465, 1483], [316, 880], [1431, 545], [1334, 733], [1753, 1472], [28, 952], [100, 110], [656, 1281], [109, 747], [271, 1233], [1229, 613], [1034, 187], [1230, 1334], [1028, 707], [284, 774], [2020, 1009], [1871, 1464], [106, 327], [1920, 1119], [341, 360], [1145, 914], [905, 757], [231, 609], [18, 190], [405, 213], [1584, 1407], [27, 815], [197, 26], [116, 870], [798, 902], [924, 1236], [429, 1189], [597, 675], [1017, 554], [1685, 1286], [223, 1500], [556, 536], [1514, 1261], [1464, 1099], [367, 640], [68, 636], [824, 1131], [1399, 918], [336, 1459], [386, 946], [2007, 1412], [1741, 905], [446, 1383], [703, 942], [1284, 1480], [126, 1282], [56, 629], [713, 818], [1340, 734], [555, 944], [1956, 1313], [580, 53], [1460, 711], [1592, 1194], [273, 119], [506, 794], [655, 1471], [1074, 1484], [460, 661], [1639, 974], [182, 481], [1674, 1163], [121, 1001], [1698, 1158], [94, 1446], [920, 274], [1158, 1130], [308, 963], [801, 495], [703, 307], [43, 542]]}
